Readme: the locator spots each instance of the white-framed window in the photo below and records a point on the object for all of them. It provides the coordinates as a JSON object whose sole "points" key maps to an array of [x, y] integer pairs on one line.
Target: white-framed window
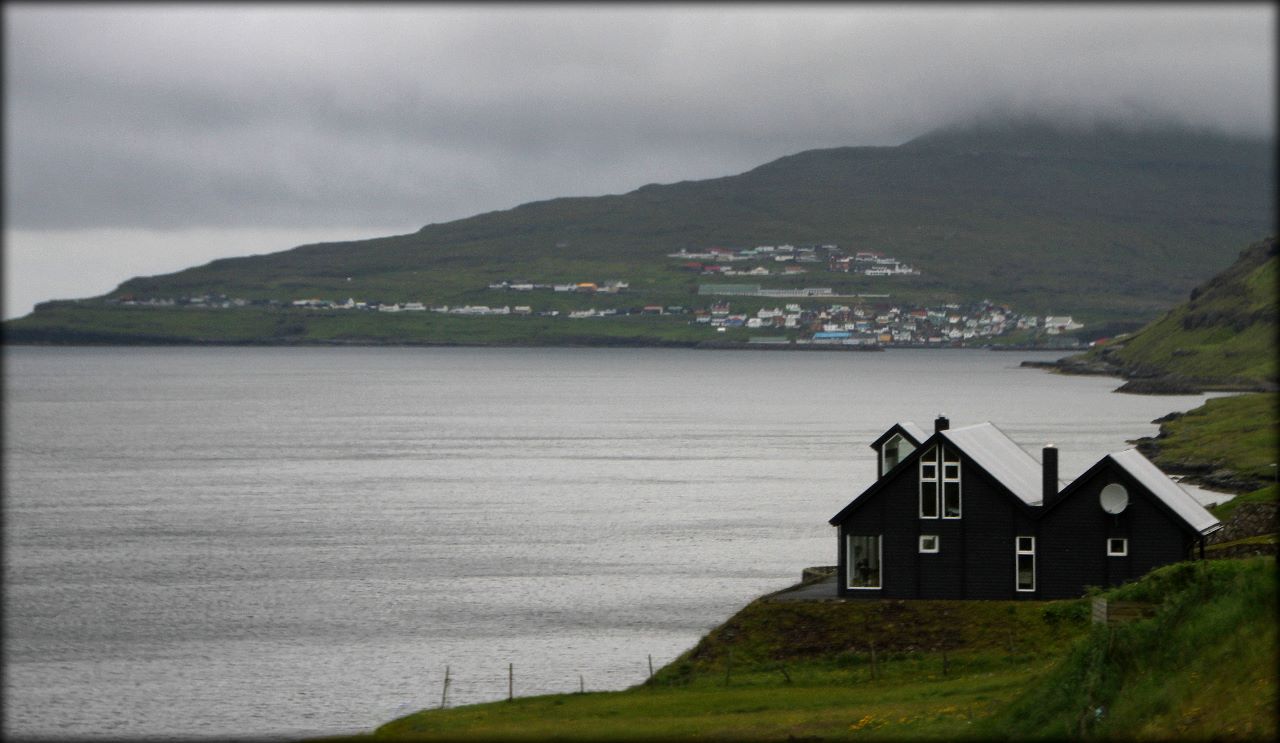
{"points": [[940, 483], [929, 484], [1117, 547], [893, 452], [890, 458], [929, 543], [1024, 563], [862, 557], [950, 483]]}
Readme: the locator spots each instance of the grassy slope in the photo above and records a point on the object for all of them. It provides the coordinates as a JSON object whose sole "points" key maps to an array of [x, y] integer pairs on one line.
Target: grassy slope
{"points": [[1203, 666], [1228, 443], [1224, 336], [1268, 494], [1102, 225], [780, 669]]}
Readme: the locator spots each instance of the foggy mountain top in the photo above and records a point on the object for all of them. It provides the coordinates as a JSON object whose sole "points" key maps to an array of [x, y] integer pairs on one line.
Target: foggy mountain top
{"points": [[178, 116]]}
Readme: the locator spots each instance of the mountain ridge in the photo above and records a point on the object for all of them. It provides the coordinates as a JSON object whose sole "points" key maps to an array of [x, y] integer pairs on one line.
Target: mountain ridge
{"points": [[1102, 223]]}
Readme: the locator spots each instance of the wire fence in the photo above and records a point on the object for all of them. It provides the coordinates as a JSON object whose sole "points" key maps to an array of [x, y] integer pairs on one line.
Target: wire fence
{"points": [[460, 684]]}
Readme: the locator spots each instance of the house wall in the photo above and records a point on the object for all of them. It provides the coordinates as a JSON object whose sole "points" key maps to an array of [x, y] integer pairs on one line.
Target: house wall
{"points": [[1073, 551], [976, 556]]}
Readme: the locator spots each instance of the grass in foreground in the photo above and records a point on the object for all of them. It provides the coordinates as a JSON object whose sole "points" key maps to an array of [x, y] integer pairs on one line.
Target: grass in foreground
{"points": [[1202, 667], [820, 706]]}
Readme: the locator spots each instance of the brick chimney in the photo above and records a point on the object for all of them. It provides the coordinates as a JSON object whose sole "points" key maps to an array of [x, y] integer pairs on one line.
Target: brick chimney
{"points": [[1049, 458], [941, 423]]}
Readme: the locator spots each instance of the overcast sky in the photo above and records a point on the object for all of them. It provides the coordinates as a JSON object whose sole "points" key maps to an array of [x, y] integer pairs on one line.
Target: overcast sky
{"points": [[144, 139]]}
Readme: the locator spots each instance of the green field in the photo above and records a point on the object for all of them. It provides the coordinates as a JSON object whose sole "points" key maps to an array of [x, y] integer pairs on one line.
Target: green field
{"points": [[89, 324], [1203, 666]]}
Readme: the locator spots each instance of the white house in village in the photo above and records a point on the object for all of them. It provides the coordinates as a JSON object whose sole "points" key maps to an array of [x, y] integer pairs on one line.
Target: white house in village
{"points": [[1057, 324]]}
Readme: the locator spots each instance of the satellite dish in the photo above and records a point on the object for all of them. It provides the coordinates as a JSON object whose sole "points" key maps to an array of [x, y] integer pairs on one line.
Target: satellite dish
{"points": [[1114, 498]]}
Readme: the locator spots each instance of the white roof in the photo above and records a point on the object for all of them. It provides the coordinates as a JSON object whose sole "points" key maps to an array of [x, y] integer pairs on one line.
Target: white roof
{"points": [[1166, 490], [918, 433], [996, 453]]}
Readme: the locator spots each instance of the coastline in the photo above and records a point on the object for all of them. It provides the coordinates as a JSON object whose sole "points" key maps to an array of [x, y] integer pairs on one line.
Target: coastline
{"points": [[1151, 383], [621, 342]]}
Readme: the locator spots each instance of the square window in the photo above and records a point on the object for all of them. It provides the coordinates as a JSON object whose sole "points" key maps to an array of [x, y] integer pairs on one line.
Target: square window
{"points": [[1026, 544], [929, 543], [1117, 547]]}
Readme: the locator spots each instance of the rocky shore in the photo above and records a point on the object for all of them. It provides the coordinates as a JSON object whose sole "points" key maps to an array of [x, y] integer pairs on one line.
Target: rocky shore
{"points": [[1197, 472], [1143, 381]]}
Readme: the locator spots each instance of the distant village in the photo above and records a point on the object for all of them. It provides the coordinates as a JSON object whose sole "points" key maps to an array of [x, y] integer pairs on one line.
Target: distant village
{"points": [[886, 325], [863, 320], [860, 324], [793, 260]]}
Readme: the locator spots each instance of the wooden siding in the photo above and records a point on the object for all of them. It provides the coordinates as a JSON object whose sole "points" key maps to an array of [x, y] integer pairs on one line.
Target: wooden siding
{"points": [[1073, 551], [976, 555]]}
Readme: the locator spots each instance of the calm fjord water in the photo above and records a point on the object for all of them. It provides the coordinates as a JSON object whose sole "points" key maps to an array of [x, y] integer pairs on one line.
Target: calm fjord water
{"points": [[287, 542]]}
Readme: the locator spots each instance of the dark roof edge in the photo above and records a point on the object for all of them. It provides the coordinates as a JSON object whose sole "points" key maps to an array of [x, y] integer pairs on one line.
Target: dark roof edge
{"points": [[898, 429], [859, 499]]}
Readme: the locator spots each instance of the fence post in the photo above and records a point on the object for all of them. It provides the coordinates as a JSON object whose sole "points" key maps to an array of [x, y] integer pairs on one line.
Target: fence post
{"points": [[444, 692], [651, 667], [511, 683], [728, 667]]}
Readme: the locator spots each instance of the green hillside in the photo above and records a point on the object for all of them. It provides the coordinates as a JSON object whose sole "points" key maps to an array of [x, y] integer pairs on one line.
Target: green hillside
{"points": [[1103, 225], [1228, 444], [1201, 666], [1223, 337]]}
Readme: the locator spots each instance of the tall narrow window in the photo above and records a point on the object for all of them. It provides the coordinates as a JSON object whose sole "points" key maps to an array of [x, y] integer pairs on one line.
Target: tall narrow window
{"points": [[1025, 563], [950, 484], [863, 561], [929, 484], [891, 454]]}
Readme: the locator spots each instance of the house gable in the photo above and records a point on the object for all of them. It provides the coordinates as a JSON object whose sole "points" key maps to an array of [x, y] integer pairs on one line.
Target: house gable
{"points": [[895, 444], [1085, 544], [926, 553], [981, 440], [907, 429], [1139, 475]]}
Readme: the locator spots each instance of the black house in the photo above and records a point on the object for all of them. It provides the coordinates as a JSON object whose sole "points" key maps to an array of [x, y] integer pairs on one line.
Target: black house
{"points": [[966, 513]]}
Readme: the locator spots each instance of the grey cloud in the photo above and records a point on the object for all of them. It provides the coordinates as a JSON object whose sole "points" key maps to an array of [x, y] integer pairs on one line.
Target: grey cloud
{"points": [[169, 116]]}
